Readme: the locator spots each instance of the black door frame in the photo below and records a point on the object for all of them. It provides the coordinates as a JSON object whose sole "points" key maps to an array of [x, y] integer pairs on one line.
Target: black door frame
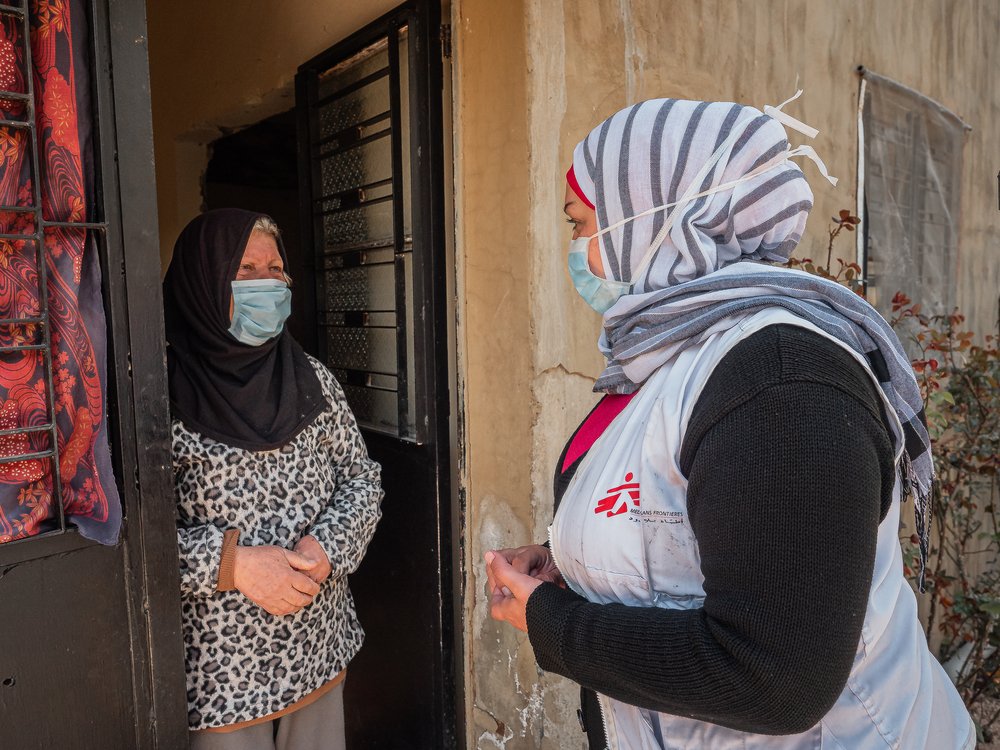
{"points": [[141, 404], [423, 18], [137, 387]]}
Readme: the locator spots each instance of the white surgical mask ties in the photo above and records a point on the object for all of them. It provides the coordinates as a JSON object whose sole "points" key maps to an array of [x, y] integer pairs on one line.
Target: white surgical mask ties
{"points": [[600, 293]]}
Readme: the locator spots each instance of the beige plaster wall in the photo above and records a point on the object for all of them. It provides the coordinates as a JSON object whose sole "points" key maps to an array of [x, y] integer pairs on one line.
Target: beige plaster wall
{"points": [[215, 67], [532, 77], [504, 692]]}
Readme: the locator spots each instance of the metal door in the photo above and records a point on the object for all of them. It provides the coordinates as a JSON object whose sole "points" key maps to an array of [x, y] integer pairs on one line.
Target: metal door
{"points": [[371, 165]]}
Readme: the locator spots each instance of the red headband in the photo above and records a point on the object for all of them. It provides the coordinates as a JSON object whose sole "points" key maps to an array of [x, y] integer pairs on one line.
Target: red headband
{"points": [[571, 179]]}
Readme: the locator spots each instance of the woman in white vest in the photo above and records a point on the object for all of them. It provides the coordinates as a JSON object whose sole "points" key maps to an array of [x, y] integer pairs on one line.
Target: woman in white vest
{"points": [[723, 569]]}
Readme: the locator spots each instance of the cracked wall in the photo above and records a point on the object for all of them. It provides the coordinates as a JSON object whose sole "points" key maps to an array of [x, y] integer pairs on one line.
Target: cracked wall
{"points": [[505, 693]]}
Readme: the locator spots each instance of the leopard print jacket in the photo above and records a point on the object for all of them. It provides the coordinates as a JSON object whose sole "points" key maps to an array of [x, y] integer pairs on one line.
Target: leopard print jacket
{"points": [[242, 662]]}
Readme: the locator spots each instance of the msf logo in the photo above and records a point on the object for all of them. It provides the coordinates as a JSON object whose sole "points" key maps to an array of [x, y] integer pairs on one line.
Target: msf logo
{"points": [[614, 502]]}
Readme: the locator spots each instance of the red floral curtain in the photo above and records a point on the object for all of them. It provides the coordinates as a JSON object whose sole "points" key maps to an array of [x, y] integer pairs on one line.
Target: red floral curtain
{"points": [[77, 330]]}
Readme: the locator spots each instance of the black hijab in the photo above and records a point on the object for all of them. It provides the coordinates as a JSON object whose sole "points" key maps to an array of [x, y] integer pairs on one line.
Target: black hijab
{"points": [[252, 397]]}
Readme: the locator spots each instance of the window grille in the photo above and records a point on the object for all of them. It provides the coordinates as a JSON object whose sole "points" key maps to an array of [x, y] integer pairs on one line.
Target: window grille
{"points": [[912, 193], [30, 330], [357, 117]]}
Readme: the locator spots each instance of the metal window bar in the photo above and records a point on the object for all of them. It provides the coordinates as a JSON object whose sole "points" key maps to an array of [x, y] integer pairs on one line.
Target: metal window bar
{"points": [[349, 256], [343, 148], [354, 133], [396, 146], [357, 192], [41, 320], [327, 324], [334, 249], [342, 256], [356, 86], [358, 200], [363, 379]]}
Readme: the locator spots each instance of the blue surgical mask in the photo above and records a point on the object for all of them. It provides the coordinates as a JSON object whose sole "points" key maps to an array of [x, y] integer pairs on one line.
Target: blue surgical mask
{"points": [[599, 293], [260, 309]]}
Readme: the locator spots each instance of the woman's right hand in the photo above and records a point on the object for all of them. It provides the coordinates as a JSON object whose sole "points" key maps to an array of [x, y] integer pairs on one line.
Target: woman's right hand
{"points": [[532, 560], [269, 577]]}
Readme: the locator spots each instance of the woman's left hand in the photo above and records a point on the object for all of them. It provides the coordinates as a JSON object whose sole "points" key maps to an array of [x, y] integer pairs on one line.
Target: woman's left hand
{"points": [[309, 547], [509, 607]]}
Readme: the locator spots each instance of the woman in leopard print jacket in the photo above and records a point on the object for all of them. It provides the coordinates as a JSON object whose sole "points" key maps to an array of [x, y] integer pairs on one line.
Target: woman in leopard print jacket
{"points": [[277, 498]]}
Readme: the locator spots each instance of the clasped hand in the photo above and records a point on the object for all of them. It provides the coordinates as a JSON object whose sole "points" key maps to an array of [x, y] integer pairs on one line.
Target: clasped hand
{"points": [[513, 575], [278, 580]]}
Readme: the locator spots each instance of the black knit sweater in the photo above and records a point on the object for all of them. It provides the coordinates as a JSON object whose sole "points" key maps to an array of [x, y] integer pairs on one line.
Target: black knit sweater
{"points": [[790, 470]]}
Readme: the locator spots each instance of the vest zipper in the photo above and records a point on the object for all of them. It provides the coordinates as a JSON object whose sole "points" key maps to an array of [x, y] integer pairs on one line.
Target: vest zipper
{"points": [[552, 551], [604, 721]]}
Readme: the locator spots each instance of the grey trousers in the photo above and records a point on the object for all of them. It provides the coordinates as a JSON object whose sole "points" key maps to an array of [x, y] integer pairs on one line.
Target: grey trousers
{"points": [[318, 726]]}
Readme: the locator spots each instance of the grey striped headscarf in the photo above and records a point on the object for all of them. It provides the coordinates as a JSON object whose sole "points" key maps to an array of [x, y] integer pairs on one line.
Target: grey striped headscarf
{"points": [[646, 156]]}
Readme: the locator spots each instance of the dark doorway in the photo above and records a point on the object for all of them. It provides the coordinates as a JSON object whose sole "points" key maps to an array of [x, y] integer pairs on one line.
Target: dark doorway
{"points": [[256, 169], [353, 177], [371, 168]]}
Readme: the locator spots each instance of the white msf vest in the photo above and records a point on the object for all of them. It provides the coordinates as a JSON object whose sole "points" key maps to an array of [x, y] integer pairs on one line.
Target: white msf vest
{"points": [[622, 535]]}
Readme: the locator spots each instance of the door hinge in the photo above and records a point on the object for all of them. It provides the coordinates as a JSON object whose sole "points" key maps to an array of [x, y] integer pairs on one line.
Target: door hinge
{"points": [[446, 41]]}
